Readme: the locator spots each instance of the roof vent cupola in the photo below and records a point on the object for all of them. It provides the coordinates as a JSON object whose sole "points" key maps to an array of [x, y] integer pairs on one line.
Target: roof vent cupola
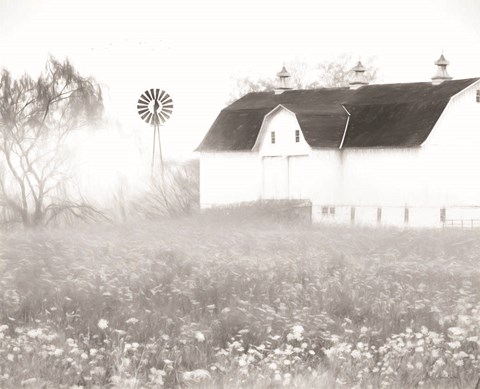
{"points": [[359, 78], [442, 73], [283, 81]]}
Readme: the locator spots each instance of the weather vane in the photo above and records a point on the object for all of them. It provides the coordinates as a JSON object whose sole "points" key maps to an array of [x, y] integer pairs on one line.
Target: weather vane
{"points": [[155, 106]]}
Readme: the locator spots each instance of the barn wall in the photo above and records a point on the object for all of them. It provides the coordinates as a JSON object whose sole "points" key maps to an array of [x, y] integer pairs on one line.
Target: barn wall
{"points": [[380, 177], [443, 173], [229, 178], [325, 176], [452, 157]]}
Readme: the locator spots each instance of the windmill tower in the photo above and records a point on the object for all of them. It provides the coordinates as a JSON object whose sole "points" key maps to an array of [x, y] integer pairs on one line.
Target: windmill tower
{"points": [[155, 107]]}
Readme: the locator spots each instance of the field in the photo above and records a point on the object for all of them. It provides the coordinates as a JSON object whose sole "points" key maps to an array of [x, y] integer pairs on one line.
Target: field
{"points": [[239, 299]]}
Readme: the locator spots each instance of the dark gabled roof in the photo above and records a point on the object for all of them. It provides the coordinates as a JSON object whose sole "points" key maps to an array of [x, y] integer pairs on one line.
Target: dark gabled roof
{"points": [[389, 115]]}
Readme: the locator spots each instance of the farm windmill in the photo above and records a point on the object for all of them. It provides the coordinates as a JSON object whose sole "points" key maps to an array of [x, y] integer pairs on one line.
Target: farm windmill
{"points": [[155, 107]]}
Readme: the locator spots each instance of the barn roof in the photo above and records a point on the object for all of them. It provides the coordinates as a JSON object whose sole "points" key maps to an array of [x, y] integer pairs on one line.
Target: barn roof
{"points": [[386, 115]]}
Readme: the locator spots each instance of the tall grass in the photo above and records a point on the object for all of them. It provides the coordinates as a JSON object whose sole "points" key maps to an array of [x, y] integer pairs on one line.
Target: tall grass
{"points": [[242, 298]]}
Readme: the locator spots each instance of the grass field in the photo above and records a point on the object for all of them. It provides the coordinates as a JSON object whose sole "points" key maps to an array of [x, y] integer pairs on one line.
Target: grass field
{"points": [[239, 299]]}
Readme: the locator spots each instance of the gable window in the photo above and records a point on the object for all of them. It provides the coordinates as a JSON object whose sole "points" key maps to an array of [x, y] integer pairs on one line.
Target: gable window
{"points": [[297, 136], [332, 211], [324, 211], [272, 137], [478, 95]]}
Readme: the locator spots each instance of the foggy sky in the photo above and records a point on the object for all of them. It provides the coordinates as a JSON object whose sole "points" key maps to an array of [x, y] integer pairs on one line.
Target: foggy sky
{"points": [[192, 48]]}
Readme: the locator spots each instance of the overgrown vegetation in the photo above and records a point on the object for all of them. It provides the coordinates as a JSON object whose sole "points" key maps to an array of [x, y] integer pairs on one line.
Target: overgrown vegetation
{"points": [[239, 300], [173, 194]]}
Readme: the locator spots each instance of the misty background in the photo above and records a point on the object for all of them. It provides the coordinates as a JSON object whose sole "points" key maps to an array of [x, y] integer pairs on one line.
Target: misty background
{"points": [[197, 51]]}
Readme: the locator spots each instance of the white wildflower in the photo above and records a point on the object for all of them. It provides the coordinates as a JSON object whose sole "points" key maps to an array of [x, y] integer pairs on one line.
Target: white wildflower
{"points": [[28, 382], [102, 324], [455, 344], [440, 362], [199, 337], [99, 370], [473, 339], [356, 354], [456, 331], [34, 333], [298, 329], [196, 375]]}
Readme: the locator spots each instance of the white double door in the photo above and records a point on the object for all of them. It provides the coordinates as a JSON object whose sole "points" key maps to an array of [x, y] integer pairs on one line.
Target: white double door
{"points": [[286, 177]]}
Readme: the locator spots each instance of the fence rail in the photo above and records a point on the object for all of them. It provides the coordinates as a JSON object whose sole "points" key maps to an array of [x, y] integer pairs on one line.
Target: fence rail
{"points": [[462, 223]]}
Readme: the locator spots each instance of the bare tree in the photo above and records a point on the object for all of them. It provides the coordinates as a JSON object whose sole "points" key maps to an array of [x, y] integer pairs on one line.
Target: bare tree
{"points": [[36, 118], [328, 74], [337, 73]]}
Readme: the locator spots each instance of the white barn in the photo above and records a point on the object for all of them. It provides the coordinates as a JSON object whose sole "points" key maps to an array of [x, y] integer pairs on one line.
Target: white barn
{"points": [[391, 154]]}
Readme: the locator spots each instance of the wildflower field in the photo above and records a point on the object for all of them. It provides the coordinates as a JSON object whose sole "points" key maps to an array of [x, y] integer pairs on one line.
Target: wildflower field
{"points": [[239, 300]]}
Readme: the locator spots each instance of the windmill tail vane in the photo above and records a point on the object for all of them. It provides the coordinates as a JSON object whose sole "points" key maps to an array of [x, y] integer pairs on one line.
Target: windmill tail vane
{"points": [[155, 107]]}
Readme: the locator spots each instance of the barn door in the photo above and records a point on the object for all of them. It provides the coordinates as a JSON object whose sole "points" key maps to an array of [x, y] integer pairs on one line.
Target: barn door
{"points": [[298, 177], [275, 178]]}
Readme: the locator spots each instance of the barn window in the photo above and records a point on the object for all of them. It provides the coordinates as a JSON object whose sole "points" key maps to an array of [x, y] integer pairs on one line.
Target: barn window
{"points": [[379, 215], [297, 136], [272, 136], [324, 211], [478, 96], [406, 215], [352, 214], [332, 211], [443, 215]]}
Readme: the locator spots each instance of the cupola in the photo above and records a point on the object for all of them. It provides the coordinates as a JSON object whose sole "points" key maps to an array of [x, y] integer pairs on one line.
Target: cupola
{"points": [[442, 73], [358, 78], [283, 82]]}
